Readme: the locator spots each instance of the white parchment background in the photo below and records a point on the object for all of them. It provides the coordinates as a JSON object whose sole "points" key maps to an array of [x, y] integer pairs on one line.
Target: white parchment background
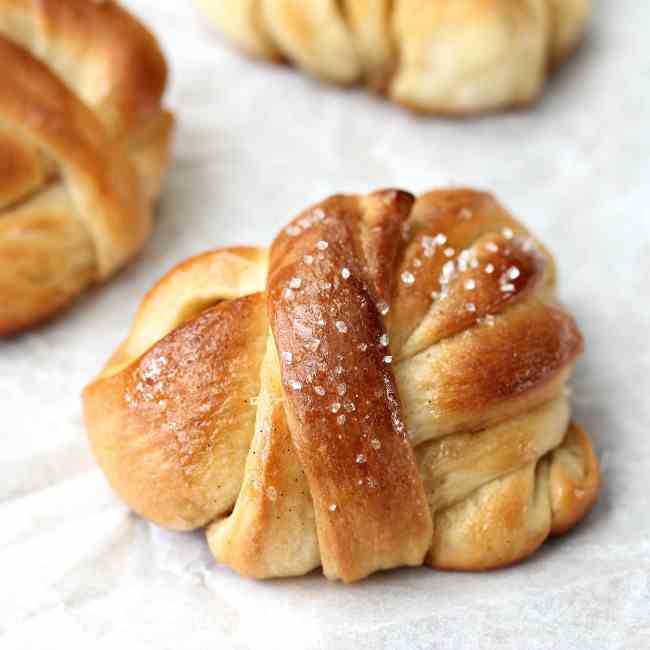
{"points": [[255, 144]]}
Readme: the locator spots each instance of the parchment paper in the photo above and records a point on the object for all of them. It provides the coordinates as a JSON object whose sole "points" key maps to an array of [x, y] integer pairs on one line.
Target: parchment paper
{"points": [[256, 144]]}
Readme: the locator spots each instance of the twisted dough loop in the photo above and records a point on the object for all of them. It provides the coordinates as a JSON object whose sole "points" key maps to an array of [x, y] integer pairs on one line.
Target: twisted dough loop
{"points": [[458, 57], [385, 387], [83, 146]]}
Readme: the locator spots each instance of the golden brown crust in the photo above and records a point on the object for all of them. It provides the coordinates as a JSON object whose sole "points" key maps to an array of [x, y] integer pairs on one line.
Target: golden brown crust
{"points": [[80, 106], [466, 226], [107, 57], [450, 58], [509, 518], [185, 416], [272, 529], [328, 410], [47, 259], [520, 353], [350, 440], [574, 478]]}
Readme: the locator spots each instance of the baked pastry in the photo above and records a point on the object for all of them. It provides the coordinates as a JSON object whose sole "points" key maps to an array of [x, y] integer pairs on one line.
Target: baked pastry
{"points": [[384, 387], [438, 56], [83, 146]]}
